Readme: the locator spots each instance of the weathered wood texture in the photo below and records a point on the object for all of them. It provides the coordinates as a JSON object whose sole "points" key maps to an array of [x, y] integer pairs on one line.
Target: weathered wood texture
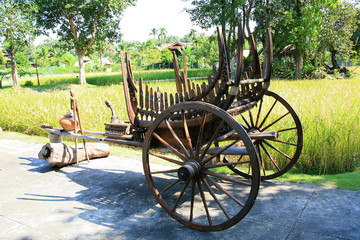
{"points": [[59, 154]]}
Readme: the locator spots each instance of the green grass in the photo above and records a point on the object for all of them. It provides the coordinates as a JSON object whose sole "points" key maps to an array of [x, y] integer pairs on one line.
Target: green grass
{"points": [[328, 109], [349, 181], [105, 79]]}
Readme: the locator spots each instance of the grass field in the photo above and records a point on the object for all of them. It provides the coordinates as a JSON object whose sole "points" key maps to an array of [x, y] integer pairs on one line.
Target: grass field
{"points": [[328, 109]]}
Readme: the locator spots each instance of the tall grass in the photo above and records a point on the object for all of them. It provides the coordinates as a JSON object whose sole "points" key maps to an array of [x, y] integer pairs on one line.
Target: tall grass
{"points": [[328, 109]]}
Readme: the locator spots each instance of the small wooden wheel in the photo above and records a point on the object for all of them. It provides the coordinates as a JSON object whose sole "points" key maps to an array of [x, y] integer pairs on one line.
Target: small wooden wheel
{"points": [[277, 134], [181, 154]]}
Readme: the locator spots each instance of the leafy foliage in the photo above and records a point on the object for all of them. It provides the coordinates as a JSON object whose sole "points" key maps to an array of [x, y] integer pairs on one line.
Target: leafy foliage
{"points": [[78, 23]]}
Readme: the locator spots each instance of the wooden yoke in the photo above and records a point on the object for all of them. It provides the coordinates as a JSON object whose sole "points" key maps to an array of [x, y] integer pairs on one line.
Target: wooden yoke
{"points": [[129, 91]]}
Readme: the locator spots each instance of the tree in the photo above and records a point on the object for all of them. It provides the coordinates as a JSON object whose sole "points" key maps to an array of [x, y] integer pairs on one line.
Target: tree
{"points": [[338, 27], [299, 23], [16, 26], [79, 22], [223, 13], [153, 33], [162, 34]]}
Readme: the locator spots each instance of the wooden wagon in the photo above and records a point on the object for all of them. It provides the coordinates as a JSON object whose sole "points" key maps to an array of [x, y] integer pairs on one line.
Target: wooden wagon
{"points": [[206, 147]]}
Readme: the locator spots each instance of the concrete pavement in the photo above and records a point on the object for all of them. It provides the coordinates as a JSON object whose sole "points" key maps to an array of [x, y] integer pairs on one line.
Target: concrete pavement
{"points": [[109, 199]]}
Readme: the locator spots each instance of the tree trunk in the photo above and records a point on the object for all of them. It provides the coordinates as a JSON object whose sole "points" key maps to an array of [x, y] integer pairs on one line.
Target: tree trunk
{"points": [[100, 53], [299, 57], [59, 154], [333, 58], [82, 79], [14, 74]]}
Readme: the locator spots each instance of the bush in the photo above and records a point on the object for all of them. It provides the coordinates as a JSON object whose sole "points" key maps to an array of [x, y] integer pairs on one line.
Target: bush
{"points": [[28, 83], [308, 70], [348, 74], [319, 74]]}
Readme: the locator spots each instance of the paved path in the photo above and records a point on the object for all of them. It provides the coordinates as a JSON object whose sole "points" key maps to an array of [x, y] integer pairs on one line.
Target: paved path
{"points": [[109, 199]]}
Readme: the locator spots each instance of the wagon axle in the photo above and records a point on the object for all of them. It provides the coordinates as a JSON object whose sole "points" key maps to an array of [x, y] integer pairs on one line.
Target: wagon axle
{"points": [[190, 170]]}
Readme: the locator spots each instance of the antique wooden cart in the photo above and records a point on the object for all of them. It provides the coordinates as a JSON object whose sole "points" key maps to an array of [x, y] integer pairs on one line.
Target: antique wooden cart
{"points": [[206, 147]]}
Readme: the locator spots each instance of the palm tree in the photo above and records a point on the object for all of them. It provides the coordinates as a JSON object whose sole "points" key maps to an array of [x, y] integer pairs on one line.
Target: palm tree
{"points": [[153, 33], [162, 34]]}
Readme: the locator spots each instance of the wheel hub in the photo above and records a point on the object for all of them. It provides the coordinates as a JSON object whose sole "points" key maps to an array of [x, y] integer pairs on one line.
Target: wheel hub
{"points": [[190, 170]]}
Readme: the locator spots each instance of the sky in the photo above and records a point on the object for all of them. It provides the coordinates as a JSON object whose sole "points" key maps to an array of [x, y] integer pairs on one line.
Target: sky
{"points": [[137, 21]]}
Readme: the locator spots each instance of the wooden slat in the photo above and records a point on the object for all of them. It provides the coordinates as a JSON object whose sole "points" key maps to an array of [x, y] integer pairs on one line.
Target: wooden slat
{"points": [[217, 88], [171, 99], [198, 89], [162, 104], [211, 93], [203, 88], [141, 97], [151, 103], [156, 102], [177, 98], [166, 101], [147, 98], [186, 96], [181, 97], [192, 92]]}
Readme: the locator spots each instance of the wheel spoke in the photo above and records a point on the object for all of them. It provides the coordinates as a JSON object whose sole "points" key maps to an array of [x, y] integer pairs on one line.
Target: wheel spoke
{"points": [[183, 149], [269, 155], [218, 153], [167, 158], [261, 159], [170, 186], [192, 200], [251, 118], [204, 202], [246, 122], [198, 144], [259, 112], [215, 198], [211, 141], [276, 149], [165, 171], [187, 135], [277, 120], [180, 196], [284, 142], [268, 113], [218, 175], [176, 152], [287, 129], [223, 190]]}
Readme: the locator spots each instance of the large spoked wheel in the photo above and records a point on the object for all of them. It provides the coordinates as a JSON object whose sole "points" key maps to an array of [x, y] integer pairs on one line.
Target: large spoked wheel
{"points": [[277, 134], [182, 166]]}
